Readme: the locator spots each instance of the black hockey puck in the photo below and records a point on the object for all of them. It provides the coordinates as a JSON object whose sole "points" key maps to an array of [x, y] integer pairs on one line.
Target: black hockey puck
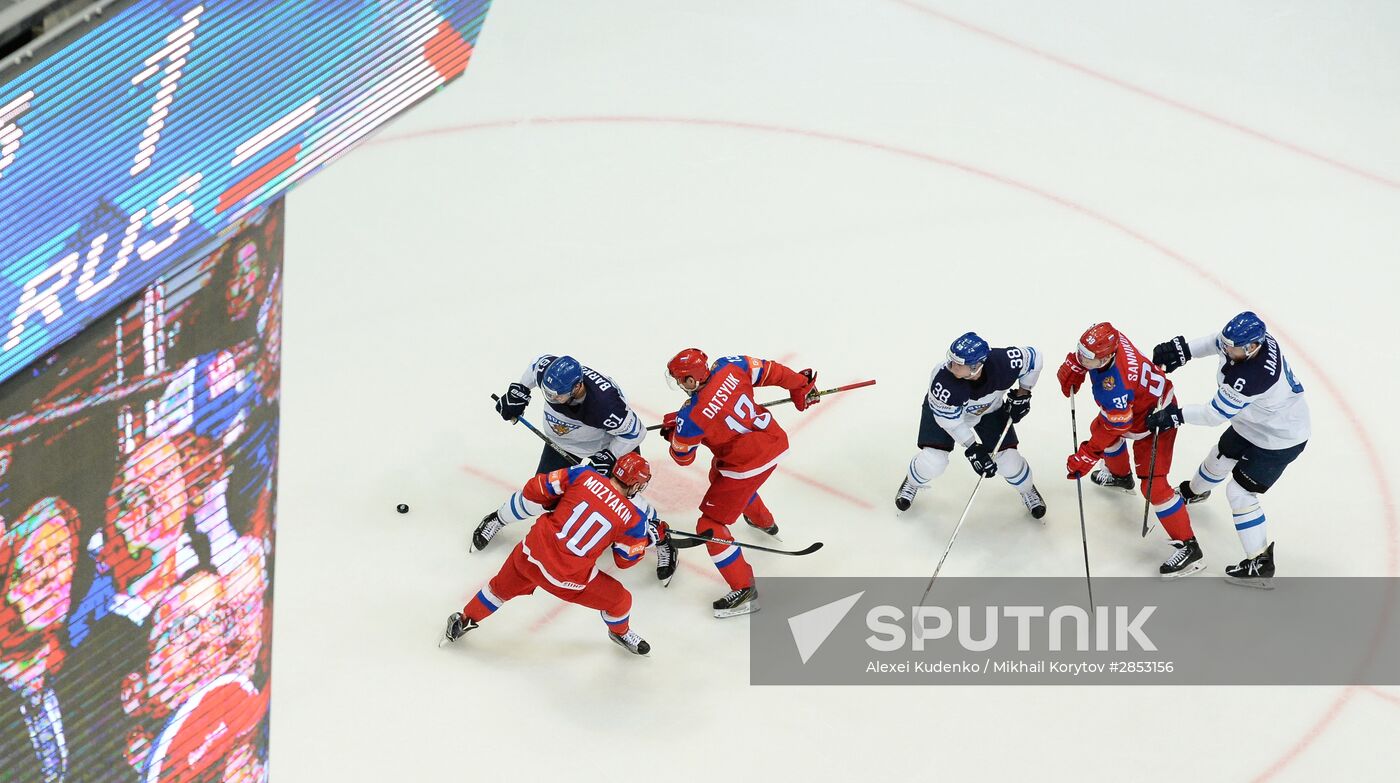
{"points": [[402, 508]]}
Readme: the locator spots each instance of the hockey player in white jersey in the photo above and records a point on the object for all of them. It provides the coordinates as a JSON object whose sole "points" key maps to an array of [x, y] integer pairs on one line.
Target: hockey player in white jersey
{"points": [[586, 415], [969, 401], [1269, 427]]}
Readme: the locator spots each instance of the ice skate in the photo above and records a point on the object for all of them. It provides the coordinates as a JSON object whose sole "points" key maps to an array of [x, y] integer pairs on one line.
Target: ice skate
{"points": [[1104, 478], [1184, 561], [667, 557], [737, 602], [491, 524], [457, 627], [632, 642], [1189, 496], [1034, 503], [905, 498], [771, 530], [1257, 571]]}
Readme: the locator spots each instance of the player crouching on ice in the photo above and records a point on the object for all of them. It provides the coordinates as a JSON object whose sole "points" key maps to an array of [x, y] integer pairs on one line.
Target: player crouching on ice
{"points": [[587, 513], [590, 419], [1269, 427], [964, 404], [1127, 388], [746, 443]]}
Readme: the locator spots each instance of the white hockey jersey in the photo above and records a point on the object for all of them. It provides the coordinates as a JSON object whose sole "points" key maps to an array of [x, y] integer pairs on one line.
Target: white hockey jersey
{"points": [[1260, 397], [601, 420]]}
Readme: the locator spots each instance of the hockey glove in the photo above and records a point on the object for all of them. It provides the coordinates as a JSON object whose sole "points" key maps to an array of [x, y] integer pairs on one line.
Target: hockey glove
{"points": [[1071, 375], [1081, 462], [1172, 354], [981, 460], [1169, 417], [603, 462], [668, 426], [806, 394], [1018, 404], [512, 404]]}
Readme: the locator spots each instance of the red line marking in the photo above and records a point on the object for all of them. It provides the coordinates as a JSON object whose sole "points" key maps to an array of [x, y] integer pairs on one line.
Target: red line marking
{"points": [[550, 616], [490, 478], [251, 183], [1173, 103], [1362, 436], [830, 490], [1380, 694]]}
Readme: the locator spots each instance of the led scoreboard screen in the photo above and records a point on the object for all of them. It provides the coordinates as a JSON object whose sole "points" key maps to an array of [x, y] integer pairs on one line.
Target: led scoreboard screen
{"points": [[152, 134]]}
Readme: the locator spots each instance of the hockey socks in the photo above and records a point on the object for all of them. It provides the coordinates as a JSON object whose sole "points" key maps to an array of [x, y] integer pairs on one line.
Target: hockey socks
{"points": [[1248, 515], [1116, 460], [729, 559], [482, 605]]}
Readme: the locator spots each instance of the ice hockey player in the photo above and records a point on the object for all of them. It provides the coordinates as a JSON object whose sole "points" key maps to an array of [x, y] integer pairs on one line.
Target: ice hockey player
{"points": [[1127, 388], [969, 401], [587, 416], [584, 513], [746, 443], [1269, 427]]}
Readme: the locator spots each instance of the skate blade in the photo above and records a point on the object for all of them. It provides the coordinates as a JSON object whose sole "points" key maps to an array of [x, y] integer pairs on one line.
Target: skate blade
{"points": [[748, 608], [1194, 568], [1257, 582], [667, 581]]}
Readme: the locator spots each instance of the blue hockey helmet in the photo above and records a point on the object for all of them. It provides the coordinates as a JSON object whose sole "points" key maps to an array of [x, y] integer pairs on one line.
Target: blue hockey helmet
{"points": [[968, 350], [560, 378], [1242, 330]]}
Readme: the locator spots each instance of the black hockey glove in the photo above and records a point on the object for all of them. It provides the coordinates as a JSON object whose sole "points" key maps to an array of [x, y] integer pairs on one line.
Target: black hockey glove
{"points": [[1169, 417], [512, 404], [603, 462], [1018, 404], [1172, 354], [981, 460]]}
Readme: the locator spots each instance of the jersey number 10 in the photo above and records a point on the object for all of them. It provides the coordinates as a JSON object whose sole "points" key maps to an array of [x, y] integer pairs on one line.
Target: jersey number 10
{"points": [[593, 528], [746, 411]]}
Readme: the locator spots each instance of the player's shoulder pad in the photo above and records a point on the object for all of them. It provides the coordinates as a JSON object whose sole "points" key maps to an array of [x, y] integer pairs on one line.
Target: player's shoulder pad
{"points": [[740, 362], [578, 471], [1255, 375], [1004, 367], [948, 389]]}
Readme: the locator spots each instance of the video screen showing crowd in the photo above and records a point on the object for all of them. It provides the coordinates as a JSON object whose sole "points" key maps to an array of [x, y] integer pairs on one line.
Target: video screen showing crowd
{"points": [[137, 493], [586, 497]]}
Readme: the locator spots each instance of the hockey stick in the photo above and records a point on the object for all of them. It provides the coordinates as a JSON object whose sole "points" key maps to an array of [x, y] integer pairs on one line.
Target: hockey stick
{"points": [[1079, 488], [1151, 479], [708, 538], [574, 459], [966, 509], [822, 393]]}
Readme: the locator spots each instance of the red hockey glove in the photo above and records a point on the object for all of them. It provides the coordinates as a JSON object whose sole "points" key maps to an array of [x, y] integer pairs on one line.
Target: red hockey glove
{"points": [[1081, 462], [806, 394], [1071, 375], [668, 426]]}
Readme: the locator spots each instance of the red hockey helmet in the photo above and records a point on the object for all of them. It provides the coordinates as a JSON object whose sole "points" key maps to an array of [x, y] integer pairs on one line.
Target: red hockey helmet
{"points": [[633, 472], [1099, 342], [690, 363]]}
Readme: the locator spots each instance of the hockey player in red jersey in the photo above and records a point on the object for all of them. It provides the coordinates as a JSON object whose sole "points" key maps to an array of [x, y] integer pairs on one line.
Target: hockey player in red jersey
{"points": [[584, 513], [746, 443], [1128, 387]]}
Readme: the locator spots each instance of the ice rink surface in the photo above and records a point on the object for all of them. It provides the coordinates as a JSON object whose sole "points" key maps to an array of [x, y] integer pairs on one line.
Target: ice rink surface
{"points": [[846, 186]]}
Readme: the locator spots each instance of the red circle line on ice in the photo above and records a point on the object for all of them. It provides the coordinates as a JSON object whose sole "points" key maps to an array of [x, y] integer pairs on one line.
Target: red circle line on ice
{"points": [[1368, 447]]}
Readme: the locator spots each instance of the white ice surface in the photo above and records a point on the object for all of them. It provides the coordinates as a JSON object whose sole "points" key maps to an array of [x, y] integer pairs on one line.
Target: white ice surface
{"points": [[850, 185]]}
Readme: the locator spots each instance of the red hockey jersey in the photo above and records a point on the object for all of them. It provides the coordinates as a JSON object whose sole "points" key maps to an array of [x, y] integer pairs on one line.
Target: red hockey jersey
{"points": [[1126, 390], [587, 514], [723, 415]]}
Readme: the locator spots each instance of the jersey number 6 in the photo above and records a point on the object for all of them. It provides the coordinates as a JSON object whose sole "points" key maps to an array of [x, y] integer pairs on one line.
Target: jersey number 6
{"points": [[745, 408]]}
